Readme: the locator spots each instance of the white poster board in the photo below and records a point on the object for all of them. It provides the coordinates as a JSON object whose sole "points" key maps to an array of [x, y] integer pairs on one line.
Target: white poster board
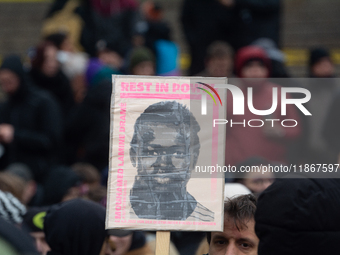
{"points": [[158, 138]]}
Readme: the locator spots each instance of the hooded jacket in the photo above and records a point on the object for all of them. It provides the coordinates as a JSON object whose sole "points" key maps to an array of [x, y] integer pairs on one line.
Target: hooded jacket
{"points": [[299, 216], [36, 119], [75, 227]]}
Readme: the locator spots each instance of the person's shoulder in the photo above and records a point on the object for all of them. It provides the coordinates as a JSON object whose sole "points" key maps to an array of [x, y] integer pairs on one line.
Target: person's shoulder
{"points": [[39, 96]]}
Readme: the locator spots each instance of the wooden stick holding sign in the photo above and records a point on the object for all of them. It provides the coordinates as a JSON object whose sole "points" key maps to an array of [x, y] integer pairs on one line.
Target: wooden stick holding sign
{"points": [[162, 242]]}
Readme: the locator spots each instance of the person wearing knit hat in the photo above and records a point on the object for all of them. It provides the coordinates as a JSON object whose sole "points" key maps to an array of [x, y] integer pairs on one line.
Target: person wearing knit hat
{"points": [[62, 184], [320, 64], [34, 222], [299, 216], [267, 141], [142, 62], [252, 62], [75, 227]]}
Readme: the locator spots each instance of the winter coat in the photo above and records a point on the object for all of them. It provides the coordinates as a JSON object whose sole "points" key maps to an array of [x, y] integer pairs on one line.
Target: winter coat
{"points": [[36, 119], [299, 216]]}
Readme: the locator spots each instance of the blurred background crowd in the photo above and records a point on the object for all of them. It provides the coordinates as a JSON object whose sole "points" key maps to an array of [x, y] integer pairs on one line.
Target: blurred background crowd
{"points": [[56, 90]]}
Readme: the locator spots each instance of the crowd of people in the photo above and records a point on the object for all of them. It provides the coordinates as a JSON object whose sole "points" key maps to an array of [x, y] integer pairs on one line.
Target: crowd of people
{"points": [[55, 128]]}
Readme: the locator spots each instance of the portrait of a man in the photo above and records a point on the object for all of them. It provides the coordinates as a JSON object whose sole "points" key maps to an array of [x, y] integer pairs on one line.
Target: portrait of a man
{"points": [[164, 148]]}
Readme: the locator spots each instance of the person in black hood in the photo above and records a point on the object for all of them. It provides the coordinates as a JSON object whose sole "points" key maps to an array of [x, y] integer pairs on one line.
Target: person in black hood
{"points": [[30, 124], [299, 216], [75, 227], [62, 184]]}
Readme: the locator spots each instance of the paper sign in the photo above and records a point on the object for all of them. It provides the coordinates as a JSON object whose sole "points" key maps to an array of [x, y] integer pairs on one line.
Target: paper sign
{"points": [[159, 136]]}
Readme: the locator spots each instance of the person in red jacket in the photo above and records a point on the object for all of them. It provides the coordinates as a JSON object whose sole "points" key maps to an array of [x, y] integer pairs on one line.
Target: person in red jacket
{"points": [[270, 140]]}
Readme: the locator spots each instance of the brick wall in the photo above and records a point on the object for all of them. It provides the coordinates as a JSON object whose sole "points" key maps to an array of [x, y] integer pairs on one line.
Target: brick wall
{"points": [[20, 25]]}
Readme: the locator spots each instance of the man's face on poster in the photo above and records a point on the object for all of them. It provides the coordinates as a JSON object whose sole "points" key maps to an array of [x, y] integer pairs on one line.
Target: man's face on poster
{"points": [[165, 155]]}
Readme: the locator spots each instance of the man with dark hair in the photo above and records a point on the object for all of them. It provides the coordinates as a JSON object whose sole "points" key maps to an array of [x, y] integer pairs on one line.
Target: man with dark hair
{"points": [[238, 236], [164, 148]]}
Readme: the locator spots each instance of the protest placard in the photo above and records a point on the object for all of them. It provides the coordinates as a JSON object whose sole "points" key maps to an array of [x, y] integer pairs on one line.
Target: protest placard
{"points": [[159, 135]]}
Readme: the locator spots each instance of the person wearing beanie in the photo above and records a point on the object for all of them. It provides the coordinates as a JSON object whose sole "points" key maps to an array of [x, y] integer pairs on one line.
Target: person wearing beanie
{"points": [[320, 64], [30, 121], [62, 184], [75, 227], [270, 141], [142, 62], [34, 223], [299, 216], [252, 62]]}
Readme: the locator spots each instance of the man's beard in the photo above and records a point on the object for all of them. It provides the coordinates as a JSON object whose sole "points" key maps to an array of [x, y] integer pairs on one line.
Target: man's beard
{"points": [[165, 179]]}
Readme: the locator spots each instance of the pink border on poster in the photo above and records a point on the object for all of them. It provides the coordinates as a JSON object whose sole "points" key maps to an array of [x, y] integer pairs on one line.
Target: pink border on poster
{"points": [[165, 222], [214, 156], [159, 96], [214, 153]]}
